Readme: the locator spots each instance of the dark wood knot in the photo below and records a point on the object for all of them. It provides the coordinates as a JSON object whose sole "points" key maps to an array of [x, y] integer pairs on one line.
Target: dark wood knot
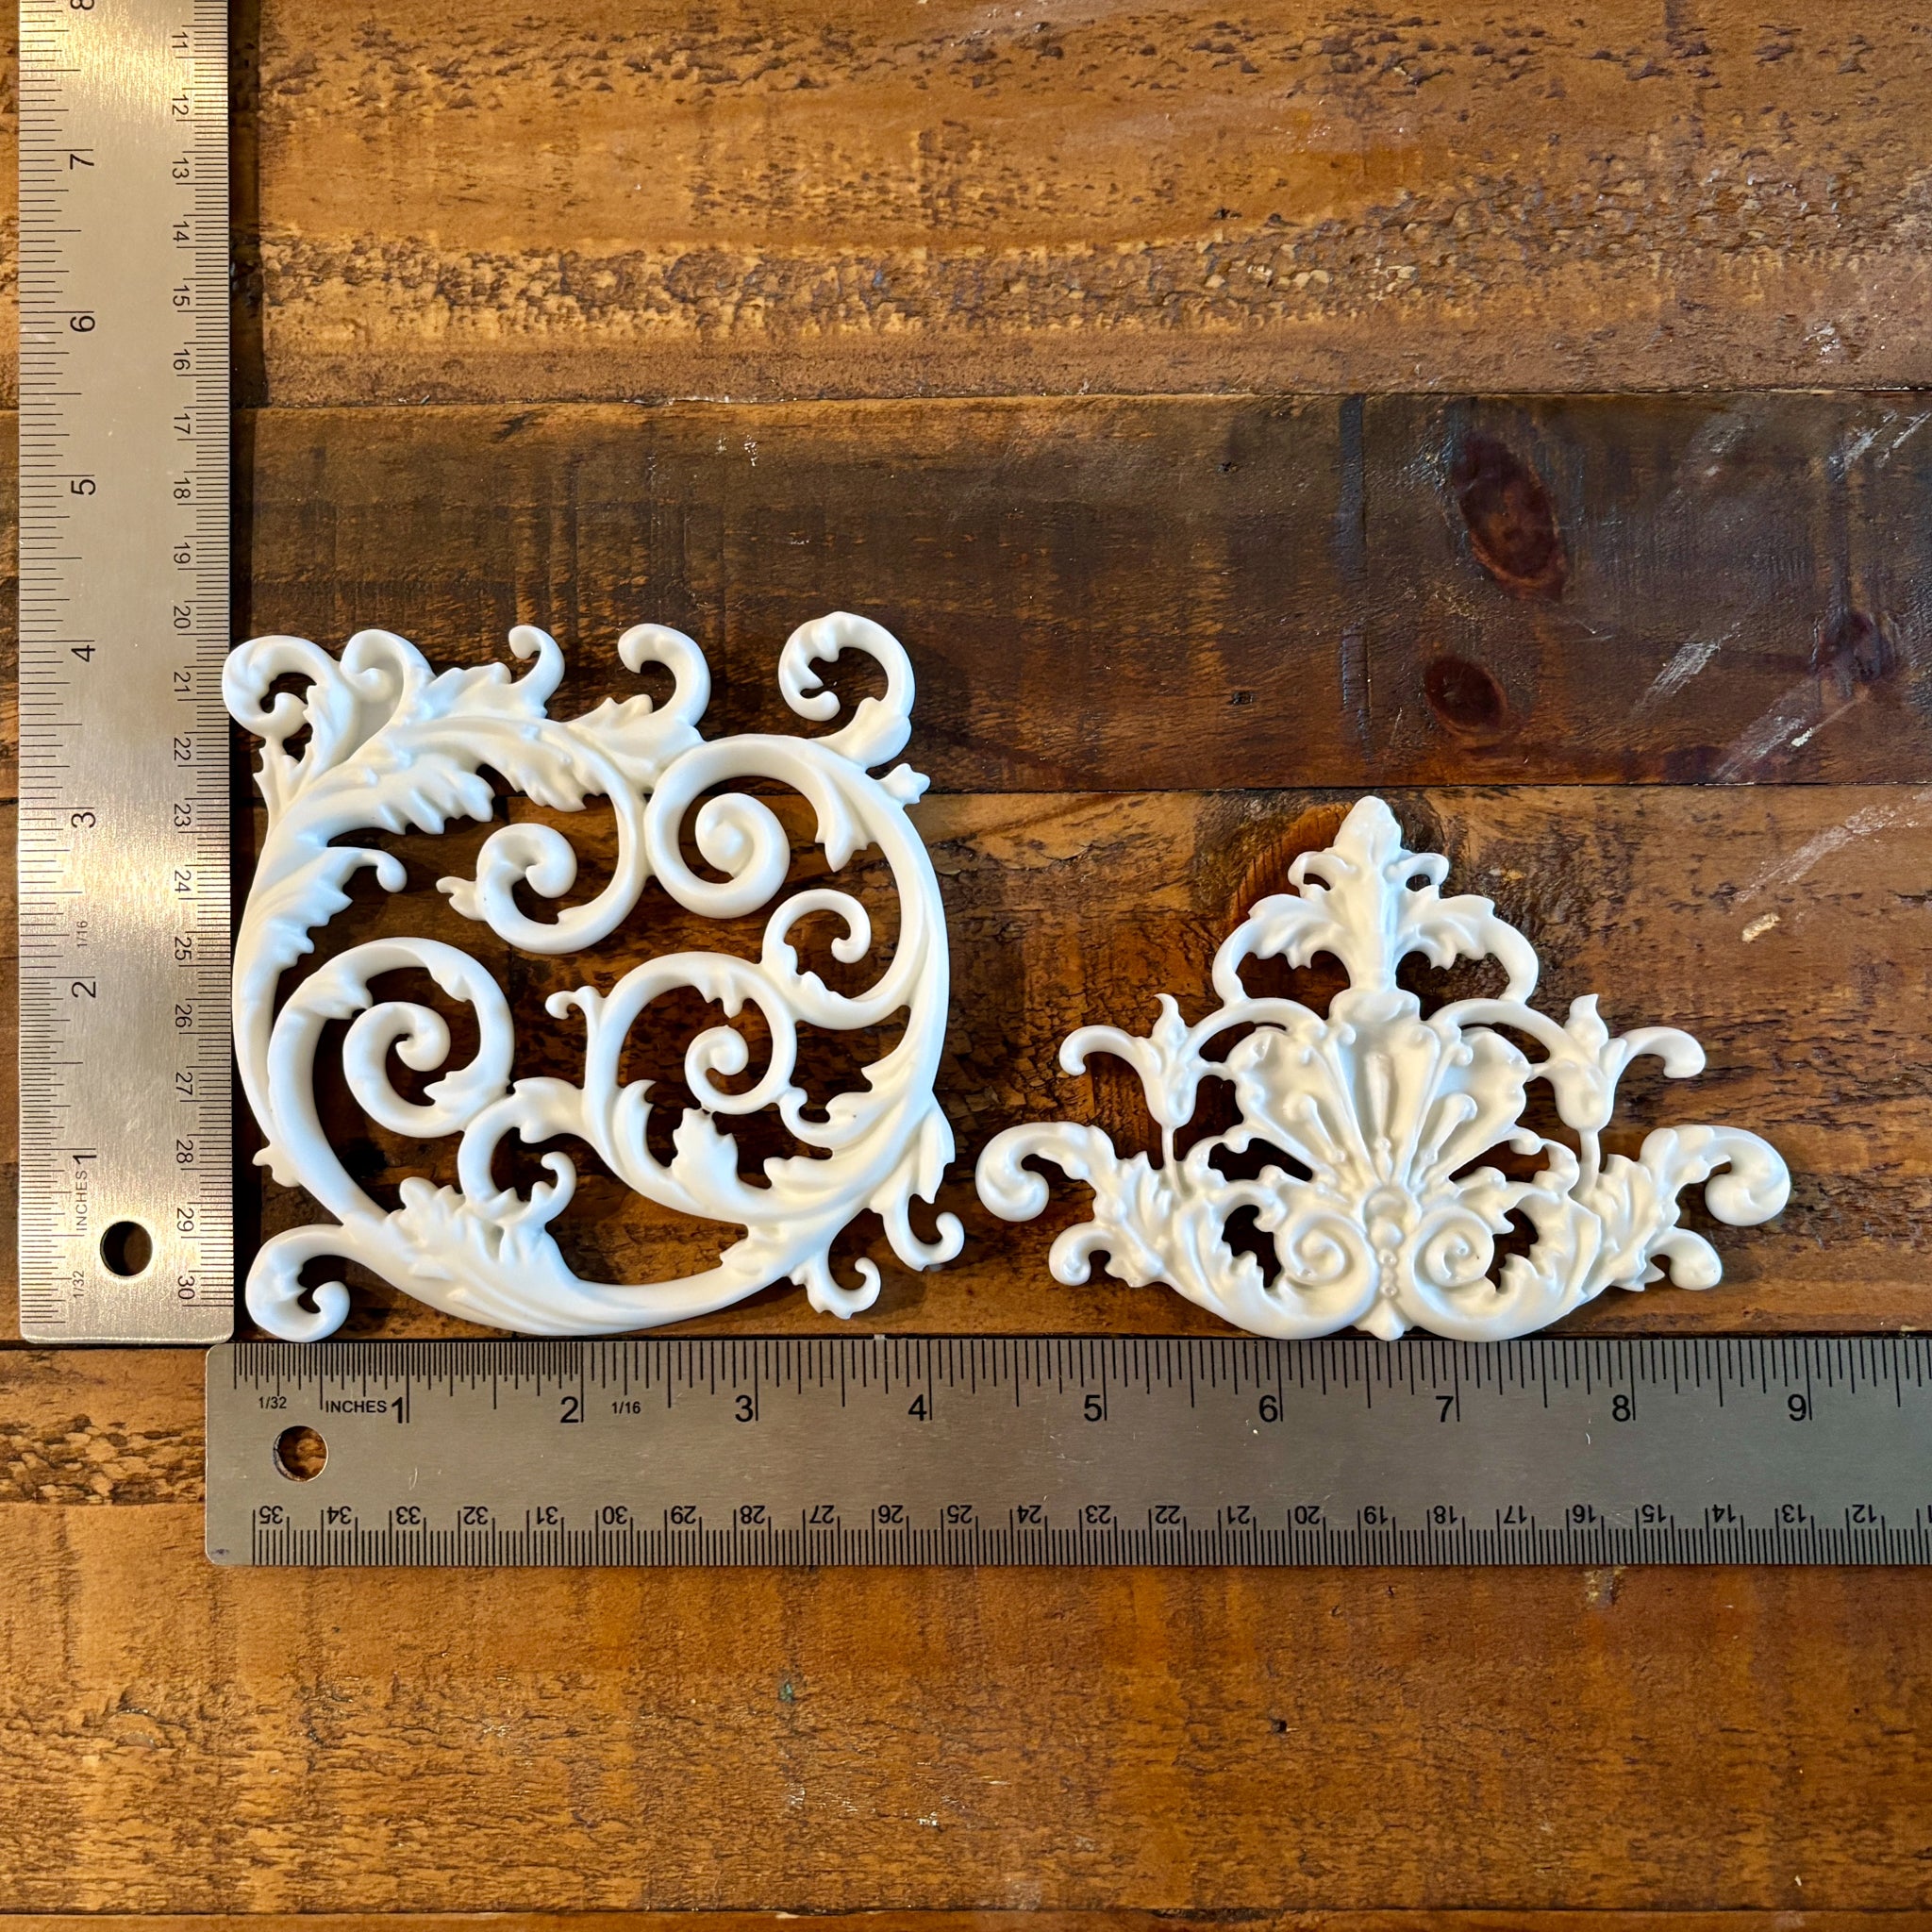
{"points": [[1465, 697], [1512, 529]]}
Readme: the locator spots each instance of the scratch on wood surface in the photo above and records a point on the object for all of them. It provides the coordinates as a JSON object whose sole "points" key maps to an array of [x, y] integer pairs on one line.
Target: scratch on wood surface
{"points": [[1786, 726], [1862, 824], [1858, 444], [1904, 437], [1686, 662]]}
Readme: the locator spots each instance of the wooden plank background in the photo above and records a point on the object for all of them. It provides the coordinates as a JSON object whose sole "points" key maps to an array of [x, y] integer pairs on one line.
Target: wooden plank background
{"points": [[1519, 410]]}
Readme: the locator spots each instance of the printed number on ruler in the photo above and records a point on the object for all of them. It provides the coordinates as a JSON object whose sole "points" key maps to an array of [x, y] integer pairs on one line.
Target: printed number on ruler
{"points": [[873, 1449], [125, 1227]]}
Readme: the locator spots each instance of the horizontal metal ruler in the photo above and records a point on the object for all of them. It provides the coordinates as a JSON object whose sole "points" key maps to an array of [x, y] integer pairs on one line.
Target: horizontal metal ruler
{"points": [[125, 1221], [867, 1449]]}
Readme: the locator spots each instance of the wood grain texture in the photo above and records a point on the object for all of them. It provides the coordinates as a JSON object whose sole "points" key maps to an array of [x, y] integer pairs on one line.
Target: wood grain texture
{"points": [[827, 197], [1127, 609], [1021, 1920], [1785, 927], [1193, 592], [117, 1427], [182, 1738]]}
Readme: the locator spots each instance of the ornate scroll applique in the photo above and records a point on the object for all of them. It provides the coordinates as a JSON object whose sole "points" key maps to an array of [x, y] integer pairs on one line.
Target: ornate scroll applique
{"points": [[1378, 1213], [394, 748]]}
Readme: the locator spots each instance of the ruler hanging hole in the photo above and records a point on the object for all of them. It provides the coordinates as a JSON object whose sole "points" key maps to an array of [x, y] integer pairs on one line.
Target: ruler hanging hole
{"points": [[301, 1454], [126, 1248]]}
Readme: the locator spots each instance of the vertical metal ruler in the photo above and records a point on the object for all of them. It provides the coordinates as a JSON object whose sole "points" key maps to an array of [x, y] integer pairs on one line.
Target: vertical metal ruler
{"points": [[126, 1209]]}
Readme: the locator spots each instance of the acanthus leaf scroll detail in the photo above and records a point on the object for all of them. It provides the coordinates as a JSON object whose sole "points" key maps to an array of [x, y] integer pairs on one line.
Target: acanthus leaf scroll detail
{"points": [[393, 746], [1374, 1121]]}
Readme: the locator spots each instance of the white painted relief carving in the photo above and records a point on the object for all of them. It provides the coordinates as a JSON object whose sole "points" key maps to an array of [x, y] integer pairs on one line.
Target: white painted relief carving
{"points": [[392, 746], [1373, 1120]]}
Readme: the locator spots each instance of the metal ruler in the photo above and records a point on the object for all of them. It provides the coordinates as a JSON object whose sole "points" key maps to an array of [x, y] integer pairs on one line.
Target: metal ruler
{"points": [[870, 1449], [125, 1212]]}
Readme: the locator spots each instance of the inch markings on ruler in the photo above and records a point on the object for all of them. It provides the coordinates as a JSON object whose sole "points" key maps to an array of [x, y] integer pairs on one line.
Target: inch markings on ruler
{"points": [[867, 1449], [126, 1208]]}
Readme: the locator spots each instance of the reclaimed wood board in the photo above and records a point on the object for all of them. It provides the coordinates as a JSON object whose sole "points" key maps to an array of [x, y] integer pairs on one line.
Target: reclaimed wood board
{"points": [[184, 1739], [1767, 921], [840, 197], [1519, 412], [1110, 593], [1120, 1920], [970, 1920]]}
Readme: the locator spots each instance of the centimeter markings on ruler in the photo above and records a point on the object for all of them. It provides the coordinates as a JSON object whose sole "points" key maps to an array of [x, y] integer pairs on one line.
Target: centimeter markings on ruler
{"points": [[125, 1083], [864, 1449]]}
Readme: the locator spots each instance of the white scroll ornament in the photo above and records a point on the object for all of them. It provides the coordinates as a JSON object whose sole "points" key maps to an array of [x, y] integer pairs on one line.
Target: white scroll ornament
{"points": [[1379, 1216], [391, 745]]}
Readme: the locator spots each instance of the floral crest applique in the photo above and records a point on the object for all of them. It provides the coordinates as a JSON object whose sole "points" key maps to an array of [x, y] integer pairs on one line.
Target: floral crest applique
{"points": [[1374, 1119]]}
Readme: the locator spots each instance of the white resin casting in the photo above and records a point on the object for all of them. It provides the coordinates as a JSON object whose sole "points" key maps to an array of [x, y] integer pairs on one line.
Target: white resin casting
{"points": [[1379, 1215], [391, 745]]}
